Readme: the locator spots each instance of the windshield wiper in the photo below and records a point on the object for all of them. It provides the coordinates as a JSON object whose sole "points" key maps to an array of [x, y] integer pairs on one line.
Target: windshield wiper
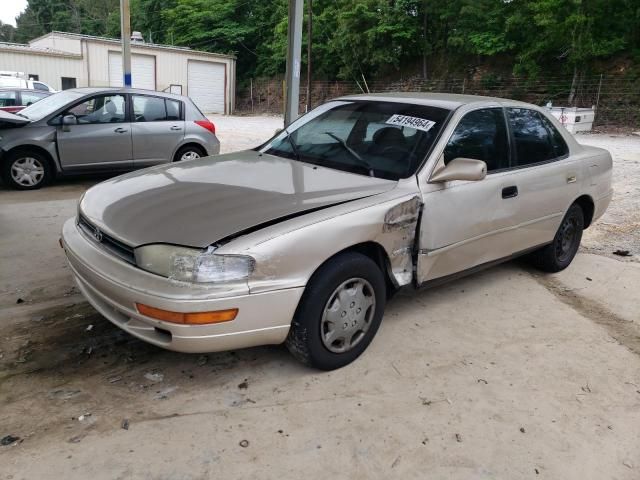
{"points": [[294, 147], [353, 153], [21, 115]]}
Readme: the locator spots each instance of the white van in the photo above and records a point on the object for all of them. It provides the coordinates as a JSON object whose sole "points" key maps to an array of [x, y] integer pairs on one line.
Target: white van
{"points": [[15, 82]]}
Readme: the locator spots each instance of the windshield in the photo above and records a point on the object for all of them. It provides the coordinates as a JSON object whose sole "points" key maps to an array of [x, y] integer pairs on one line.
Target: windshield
{"points": [[381, 139], [49, 105]]}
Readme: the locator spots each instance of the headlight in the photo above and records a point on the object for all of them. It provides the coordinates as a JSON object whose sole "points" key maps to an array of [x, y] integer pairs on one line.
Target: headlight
{"points": [[193, 265]]}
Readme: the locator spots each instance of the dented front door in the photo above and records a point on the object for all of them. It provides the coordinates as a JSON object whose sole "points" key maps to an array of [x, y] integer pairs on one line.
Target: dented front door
{"points": [[465, 224]]}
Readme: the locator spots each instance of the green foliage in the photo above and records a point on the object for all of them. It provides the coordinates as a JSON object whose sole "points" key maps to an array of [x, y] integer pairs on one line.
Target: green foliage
{"points": [[371, 38]]}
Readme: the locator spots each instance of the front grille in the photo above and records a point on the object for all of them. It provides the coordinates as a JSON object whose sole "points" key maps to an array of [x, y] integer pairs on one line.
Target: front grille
{"points": [[107, 242]]}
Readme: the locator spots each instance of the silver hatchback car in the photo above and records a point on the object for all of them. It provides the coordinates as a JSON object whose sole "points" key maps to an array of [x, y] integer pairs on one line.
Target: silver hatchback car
{"points": [[97, 129], [303, 239]]}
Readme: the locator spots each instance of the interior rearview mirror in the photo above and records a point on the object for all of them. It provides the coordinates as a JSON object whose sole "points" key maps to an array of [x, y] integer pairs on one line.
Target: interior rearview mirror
{"points": [[461, 169], [68, 120]]}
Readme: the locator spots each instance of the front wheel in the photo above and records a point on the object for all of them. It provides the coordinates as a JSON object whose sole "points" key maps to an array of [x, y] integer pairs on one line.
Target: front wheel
{"points": [[560, 253], [339, 313], [26, 170]]}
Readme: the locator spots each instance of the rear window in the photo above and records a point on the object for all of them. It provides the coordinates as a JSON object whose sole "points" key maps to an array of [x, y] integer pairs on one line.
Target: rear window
{"points": [[533, 140], [155, 109]]}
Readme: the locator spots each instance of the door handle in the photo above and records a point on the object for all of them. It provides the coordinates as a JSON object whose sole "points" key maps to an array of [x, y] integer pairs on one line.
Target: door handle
{"points": [[510, 192], [175, 127], [121, 130], [571, 179]]}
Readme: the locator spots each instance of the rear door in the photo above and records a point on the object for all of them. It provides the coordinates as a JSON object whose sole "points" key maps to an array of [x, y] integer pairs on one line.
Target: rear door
{"points": [[547, 177], [100, 138], [158, 129]]}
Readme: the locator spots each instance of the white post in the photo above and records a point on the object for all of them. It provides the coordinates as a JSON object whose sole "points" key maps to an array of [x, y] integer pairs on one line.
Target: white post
{"points": [[294, 48], [125, 31]]}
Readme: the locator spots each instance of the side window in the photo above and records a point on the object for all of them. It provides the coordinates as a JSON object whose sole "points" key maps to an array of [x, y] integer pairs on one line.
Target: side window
{"points": [[481, 135], [8, 98], [149, 109], [560, 148], [102, 109], [31, 97], [533, 141], [173, 109], [40, 86]]}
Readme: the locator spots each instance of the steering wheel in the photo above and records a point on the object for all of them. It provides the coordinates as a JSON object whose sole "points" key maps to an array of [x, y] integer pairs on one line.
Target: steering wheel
{"points": [[394, 149]]}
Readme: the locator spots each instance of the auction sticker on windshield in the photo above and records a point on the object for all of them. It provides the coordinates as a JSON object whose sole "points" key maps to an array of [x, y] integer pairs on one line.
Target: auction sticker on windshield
{"points": [[412, 122]]}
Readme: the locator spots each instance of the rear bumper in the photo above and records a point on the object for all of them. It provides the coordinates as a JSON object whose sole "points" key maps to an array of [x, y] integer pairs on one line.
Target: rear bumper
{"points": [[601, 204], [113, 287]]}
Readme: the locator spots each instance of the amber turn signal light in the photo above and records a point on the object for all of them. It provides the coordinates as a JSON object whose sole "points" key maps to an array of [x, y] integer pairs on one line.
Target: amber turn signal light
{"points": [[189, 318]]}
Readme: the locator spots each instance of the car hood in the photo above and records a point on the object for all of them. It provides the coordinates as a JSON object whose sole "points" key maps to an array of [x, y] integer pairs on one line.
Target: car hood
{"points": [[6, 117], [199, 202]]}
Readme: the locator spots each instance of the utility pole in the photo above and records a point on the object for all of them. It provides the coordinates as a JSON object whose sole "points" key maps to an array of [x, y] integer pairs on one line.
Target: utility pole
{"points": [[309, 42], [125, 32], [294, 50]]}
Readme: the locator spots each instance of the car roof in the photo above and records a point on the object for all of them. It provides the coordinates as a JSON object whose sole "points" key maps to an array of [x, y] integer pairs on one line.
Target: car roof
{"points": [[142, 91], [450, 101]]}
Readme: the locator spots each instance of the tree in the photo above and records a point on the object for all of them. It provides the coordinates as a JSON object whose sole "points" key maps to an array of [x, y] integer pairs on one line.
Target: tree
{"points": [[7, 32]]}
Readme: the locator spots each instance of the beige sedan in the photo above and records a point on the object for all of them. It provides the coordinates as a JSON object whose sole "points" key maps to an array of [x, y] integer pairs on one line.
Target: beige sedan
{"points": [[303, 239]]}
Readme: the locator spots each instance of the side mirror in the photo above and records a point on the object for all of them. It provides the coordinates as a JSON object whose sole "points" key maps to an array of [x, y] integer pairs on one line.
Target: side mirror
{"points": [[461, 169], [68, 120]]}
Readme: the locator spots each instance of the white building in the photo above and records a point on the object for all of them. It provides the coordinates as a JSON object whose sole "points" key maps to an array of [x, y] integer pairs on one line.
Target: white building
{"points": [[68, 60]]}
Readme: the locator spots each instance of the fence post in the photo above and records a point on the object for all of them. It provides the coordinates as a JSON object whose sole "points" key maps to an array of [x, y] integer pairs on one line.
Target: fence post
{"points": [[595, 110], [464, 84], [251, 90]]}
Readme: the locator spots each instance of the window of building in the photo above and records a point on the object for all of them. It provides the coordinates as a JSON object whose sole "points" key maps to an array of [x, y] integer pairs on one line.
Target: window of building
{"points": [[68, 82]]}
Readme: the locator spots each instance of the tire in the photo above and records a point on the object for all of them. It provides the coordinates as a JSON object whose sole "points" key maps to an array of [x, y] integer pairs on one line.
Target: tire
{"points": [[26, 169], [189, 152], [314, 338], [560, 252]]}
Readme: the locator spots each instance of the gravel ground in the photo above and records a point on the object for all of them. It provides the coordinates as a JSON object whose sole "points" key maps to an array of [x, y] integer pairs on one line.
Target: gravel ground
{"points": [[619, 227], [506, 374]]}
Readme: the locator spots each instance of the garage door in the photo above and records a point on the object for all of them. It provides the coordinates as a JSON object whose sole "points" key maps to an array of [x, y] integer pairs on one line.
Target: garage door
{"points": [[205, 85], [143, 71]]}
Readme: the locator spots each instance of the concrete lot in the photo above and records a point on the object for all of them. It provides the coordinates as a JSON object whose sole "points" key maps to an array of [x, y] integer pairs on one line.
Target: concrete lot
{"points": [[506, 374]]}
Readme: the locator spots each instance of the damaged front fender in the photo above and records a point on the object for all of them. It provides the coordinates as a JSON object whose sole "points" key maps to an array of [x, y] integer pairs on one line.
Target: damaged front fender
{"points": [[400, 224]]}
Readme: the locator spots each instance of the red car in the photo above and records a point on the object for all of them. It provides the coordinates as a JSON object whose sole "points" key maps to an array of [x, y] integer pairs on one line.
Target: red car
{"points": [[15, 99]]}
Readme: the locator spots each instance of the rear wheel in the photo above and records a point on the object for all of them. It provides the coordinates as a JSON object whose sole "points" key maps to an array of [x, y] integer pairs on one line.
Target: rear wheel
{"points": [[560, 253], [339, 313], [189, 152], [26, 170]]}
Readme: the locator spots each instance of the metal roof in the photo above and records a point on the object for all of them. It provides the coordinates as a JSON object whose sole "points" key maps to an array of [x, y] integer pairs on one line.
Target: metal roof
{"points": [[26, 48], [117, 41]]}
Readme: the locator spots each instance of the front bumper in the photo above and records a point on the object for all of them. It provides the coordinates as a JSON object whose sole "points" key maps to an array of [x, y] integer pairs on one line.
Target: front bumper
{"points": [[113, 287]]}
